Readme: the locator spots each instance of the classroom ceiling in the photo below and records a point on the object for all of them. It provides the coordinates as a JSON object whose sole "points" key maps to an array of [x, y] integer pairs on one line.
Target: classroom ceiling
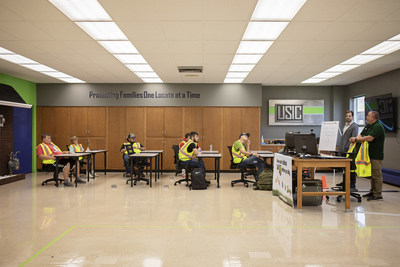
{"points": [[172, 33]]}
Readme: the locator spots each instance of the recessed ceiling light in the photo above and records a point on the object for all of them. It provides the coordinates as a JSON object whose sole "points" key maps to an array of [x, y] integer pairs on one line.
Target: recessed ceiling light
{"points": [[257, 30], [233, 80], [71, 80], [342, 68], [361, 59], [119, 47], [396, 38], [326, 75], [78, 10], [56, 74], [146, 74], [152, 80], [132, 59], [243, 59], [312, 80], [17, 59], [276, 9], [383, 48], [139, 67], [38, 67], [237, 74], [103, 31], [241, 68], [5, 51], [253, 47]]}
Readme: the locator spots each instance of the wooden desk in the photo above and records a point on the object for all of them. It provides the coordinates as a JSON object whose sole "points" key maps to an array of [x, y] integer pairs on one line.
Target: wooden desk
{"points": [[72, 155], [216, 158], [312, 163], [143, 156]]}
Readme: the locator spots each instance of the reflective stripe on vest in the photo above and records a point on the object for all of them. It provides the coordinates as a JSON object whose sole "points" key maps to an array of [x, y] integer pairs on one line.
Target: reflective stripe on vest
{"points": [[47, 152], [184, 155], [237, 155], [77, 148], [132, 148]]}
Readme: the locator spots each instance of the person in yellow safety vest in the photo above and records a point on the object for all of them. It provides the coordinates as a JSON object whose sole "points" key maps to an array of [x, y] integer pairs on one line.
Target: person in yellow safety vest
{"points": [[243, 157], [75, 147], [189, 151], [362, 162], [46, 151], [128, 148]]}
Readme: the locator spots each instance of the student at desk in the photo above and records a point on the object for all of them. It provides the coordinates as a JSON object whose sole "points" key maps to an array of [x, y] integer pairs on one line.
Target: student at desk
{"points": [[46, 151], [76, 147], [129, 148], [189, 151], [243, 156]]}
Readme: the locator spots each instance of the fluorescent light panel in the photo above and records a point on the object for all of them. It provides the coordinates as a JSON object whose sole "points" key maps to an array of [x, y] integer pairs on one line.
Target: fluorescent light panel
{"points": [[147, 74], [57, 74], [253, 47], [313, 80], [78, 10], [119, 47], [240, 68], [38, 67], [5, 51], [383, 48], [326, 75], [361, 59], [233, 80], [152, 80], [103, 31], [237, 75], [243, 59], [342, 68], [132, 59], [71, 80], [17, 59], [139, 67], [396, 38], [257, 30], [276, 9]]}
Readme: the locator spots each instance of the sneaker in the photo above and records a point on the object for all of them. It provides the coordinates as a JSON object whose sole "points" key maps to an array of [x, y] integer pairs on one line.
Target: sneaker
{"points": [[340, 184], [370, 194], [374, 198], [80, 181], [68, 183]]}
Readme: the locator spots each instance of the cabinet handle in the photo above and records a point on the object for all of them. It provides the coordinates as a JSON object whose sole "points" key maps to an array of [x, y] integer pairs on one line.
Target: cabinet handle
{"points": [[88, 131]]}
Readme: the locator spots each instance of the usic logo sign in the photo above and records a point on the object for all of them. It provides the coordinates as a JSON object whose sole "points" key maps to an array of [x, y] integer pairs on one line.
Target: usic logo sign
{"points": [[289, 112]]}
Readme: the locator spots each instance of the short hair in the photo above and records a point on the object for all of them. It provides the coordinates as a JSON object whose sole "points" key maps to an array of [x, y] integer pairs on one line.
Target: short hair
{"points": [[192, 134], [375, 114], [187, 135], [349, 111], [74, 138], [45, 135]]}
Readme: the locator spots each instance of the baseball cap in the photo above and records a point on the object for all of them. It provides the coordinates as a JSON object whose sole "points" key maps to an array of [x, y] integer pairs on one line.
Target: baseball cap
{"points": [[248, 134], [131, 135]]}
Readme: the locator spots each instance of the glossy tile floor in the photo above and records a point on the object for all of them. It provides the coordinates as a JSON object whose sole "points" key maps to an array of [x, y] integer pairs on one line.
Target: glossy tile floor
{"points": [[106, 222]]}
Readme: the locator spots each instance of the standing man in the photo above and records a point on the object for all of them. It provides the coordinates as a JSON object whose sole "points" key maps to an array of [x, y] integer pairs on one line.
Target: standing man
{"points": [[374, 134], [350, 129], [129, 148], [243, 156]]}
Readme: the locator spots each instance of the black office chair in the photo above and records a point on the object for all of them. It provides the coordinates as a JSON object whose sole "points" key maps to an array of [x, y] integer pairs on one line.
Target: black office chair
{"points": [[139, 166], [178, 169], [180, 165], [244, 171], [52, 168]]}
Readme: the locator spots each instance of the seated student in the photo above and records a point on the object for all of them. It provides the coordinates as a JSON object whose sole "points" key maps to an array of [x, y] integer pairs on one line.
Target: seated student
{"points": [[76, 147], [243, 156], [184, 140], [46, 151], [128, 148], [189, 151]]}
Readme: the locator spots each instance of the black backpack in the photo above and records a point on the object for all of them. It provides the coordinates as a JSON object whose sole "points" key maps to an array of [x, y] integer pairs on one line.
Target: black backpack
{"points": [[264, 180], [198, 179]]}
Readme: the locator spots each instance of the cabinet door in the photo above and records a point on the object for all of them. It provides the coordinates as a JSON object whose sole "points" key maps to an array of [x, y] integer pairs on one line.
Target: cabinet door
{"points": [[96, 121], [251, 124], [173, 122], [232, 130], [116, 137], [99, 143], [135, 123], [78, 121], [193, 121], [154, 122], [169, 153]]}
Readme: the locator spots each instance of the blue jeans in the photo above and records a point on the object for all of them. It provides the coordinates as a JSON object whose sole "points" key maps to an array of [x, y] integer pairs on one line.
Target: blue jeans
{"points": [[194, 163], [126, 163], [253, 161]]}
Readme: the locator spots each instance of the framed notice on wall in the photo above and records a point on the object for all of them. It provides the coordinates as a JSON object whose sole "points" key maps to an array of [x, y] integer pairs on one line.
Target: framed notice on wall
{"points": [[295, 112]]}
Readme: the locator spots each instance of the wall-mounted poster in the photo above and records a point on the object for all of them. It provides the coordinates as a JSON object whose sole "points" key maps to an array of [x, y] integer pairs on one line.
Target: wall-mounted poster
{"points": [[295, 112]]}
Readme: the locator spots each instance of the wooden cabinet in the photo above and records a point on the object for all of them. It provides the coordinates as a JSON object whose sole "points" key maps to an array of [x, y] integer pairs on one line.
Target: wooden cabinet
{"points": [[54, 121], [166, 145], [116, 136], [164, 122]]}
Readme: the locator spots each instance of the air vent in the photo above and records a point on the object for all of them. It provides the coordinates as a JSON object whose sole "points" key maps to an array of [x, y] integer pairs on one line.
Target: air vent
{"points": [[190, 70]]}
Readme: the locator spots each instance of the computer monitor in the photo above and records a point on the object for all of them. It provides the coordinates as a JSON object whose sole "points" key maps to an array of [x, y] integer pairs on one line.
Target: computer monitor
{"points": [[289, 142], [305, 143]]}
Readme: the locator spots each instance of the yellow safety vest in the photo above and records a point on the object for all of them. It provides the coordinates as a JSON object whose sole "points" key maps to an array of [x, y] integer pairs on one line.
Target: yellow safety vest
{"points": [[237, 155], [77, 148], [132, 148], [184, 155], [362, 160], [47, 152]]}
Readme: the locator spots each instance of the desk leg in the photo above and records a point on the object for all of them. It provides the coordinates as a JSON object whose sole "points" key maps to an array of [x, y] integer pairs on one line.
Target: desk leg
{"points": [[300, 187], [56, 174], [215, 169], [151, 168], [88, 166], [131, 163], [105, 162], [347, 186], [94, 165], [76, 170], [162, 159], [218, 172]]}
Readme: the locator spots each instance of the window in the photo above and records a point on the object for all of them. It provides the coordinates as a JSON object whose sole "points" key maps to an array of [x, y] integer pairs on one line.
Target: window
{"points": [[358, 109]]}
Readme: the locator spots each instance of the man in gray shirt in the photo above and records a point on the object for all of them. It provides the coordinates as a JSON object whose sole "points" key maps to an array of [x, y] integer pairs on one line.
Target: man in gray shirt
{"points": [[350, 129]]}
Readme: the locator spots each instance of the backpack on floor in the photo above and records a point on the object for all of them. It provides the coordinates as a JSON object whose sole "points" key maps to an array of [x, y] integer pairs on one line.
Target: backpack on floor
{"points": [[198, 179], [264, 180]]}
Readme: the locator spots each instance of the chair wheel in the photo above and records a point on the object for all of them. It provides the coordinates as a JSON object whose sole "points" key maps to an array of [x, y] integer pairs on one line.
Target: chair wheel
{"points": [[359, 200], [147, 183], [247, 185]]}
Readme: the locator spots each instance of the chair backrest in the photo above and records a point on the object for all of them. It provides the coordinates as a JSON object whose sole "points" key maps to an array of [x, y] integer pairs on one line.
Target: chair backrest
{"points": [[176, 153], [233, 165]]}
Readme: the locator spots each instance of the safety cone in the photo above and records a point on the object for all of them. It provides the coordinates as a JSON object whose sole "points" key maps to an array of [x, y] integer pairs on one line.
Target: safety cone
{"points": [[324, 185]]}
